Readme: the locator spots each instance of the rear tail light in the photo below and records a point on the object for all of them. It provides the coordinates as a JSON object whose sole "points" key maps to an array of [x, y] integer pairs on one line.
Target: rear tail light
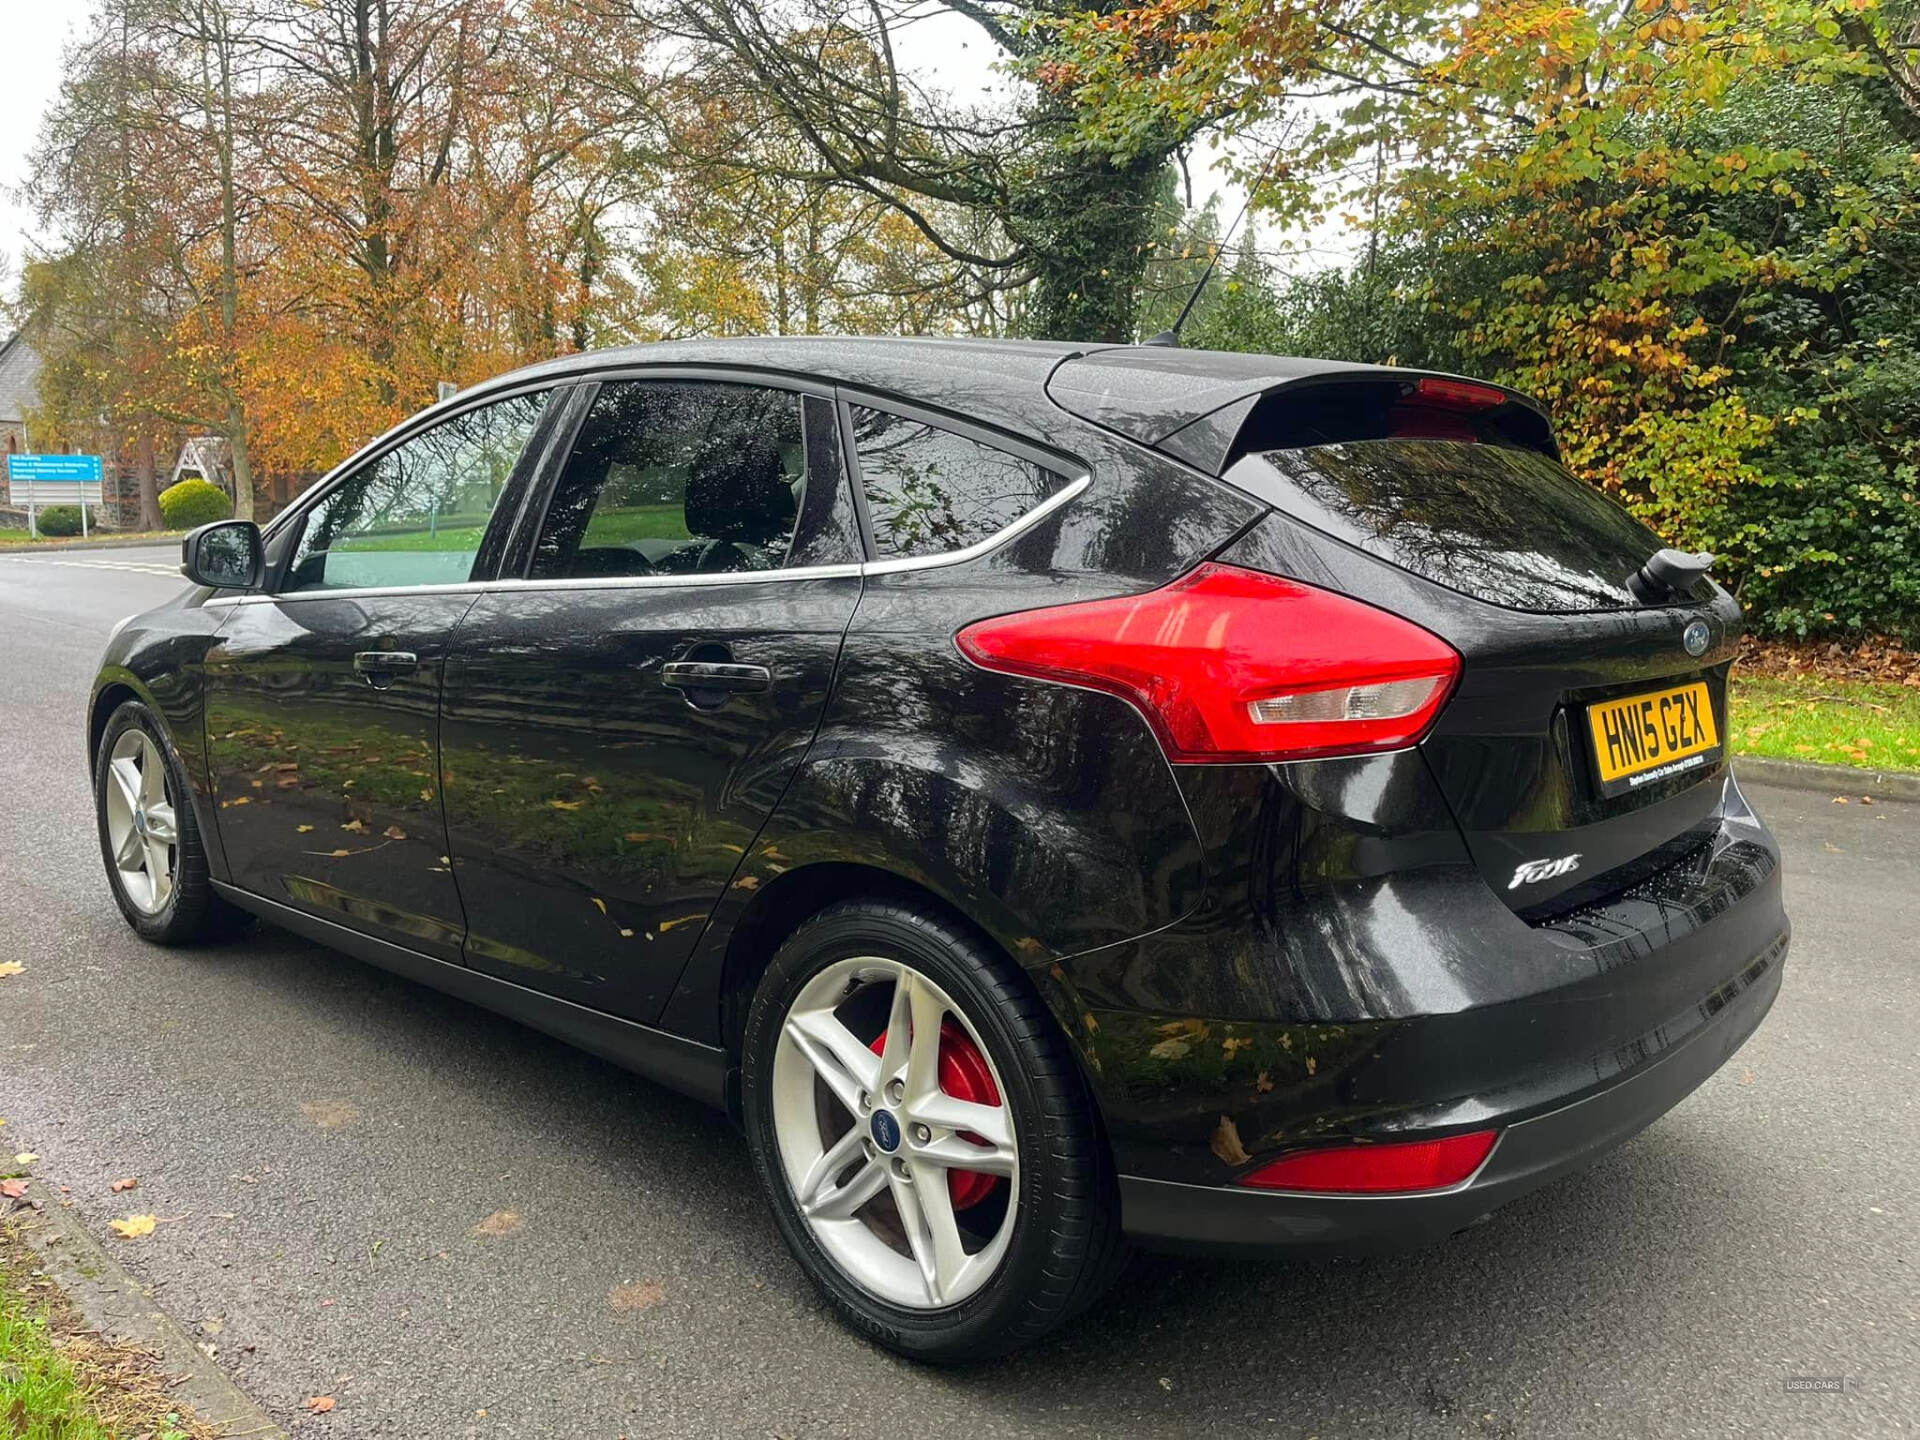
{"points": [[1378, 1169], [1231, 666]]}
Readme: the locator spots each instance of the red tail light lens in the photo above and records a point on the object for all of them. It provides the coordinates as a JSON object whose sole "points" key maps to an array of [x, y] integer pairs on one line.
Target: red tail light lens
{"points": [[1231, 666], [1375, 1169]]}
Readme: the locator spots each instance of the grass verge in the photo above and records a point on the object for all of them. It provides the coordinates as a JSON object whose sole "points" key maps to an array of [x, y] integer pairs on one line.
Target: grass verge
{"points": [[61, 1381], [1827, 719], [21, 540]]}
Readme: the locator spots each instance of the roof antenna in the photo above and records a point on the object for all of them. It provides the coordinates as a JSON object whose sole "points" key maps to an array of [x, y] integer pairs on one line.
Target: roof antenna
{"points": [[1171, 338]]}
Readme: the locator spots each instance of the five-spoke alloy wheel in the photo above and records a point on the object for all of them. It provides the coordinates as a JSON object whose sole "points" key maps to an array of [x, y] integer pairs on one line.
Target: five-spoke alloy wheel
{"points": [[884, 1158], [148, 835], [924, 1134], [140, 821]]}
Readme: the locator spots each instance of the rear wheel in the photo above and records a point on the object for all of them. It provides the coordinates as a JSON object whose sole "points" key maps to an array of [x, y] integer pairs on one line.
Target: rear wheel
{"points": [[149, 838], [928, 1145]]}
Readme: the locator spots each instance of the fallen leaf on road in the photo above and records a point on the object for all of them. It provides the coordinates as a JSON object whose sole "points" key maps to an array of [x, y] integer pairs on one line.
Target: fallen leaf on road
{"points": [[134, 1226], [320, 1404], [601, 904], [356, 826], [639, 1295], [329, 1114], [13, 1189], [394, 832], [1226, 1142], [126, 1184], [10, 967], [501, 1222], [25, 1157]]}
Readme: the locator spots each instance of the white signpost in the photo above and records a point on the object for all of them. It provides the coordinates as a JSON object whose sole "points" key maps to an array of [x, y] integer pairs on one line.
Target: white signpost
{"points": [[37, 481]]}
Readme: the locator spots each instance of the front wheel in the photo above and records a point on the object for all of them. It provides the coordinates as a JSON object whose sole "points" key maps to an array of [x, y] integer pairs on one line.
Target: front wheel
{"points": [[149, 838], [924, 1135]]}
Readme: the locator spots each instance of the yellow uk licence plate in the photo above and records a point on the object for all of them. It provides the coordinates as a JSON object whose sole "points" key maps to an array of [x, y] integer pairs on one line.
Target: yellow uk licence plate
{"points": [[1639, 739]]}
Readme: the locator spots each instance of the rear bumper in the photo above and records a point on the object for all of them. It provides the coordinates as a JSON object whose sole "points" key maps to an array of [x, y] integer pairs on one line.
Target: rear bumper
{"points": [[1169, 1214]]}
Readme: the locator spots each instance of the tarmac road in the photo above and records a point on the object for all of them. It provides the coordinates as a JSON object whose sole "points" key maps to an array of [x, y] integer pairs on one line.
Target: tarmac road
{"points": [[456, 1227]]}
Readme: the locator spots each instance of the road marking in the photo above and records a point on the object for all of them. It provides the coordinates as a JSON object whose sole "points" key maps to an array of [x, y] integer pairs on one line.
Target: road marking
{"points": [[136, 566]]}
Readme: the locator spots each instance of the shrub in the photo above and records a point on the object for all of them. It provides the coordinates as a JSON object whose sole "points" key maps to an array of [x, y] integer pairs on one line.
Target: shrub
{"points": [[193, 502], [60, 520]]}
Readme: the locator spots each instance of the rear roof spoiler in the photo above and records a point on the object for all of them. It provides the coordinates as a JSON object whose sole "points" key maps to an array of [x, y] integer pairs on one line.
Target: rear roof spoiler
{"points": [[1196, 404]]}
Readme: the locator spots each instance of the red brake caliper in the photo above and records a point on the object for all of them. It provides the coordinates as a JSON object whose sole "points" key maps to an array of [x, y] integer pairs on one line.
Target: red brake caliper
{"points": [[963, 1075]]}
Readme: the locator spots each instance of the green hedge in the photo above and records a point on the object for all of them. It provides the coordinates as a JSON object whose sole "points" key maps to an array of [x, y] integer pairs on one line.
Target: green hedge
{"points": [[192, 503], [60, 520]]}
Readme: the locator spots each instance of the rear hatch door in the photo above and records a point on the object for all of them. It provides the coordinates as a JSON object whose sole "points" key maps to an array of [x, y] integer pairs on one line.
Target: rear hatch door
{"points": [[1585, 747]]}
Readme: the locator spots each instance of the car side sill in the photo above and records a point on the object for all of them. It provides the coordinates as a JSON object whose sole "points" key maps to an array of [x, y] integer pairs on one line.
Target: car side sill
{"points": [[700, 1071]]}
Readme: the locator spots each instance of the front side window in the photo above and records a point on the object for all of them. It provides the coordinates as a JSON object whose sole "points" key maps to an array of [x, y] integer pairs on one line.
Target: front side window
{"points": [[676, 477], [931, 491], [417, 514]]}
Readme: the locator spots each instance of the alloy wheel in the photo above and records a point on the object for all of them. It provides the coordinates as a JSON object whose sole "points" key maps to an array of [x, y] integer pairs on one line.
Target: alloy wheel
{"points": [[141, 829], [896, 1142]]}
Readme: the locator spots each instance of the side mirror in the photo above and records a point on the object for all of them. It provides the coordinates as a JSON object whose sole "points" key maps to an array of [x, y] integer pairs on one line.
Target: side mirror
{"points": [[226, 555]]}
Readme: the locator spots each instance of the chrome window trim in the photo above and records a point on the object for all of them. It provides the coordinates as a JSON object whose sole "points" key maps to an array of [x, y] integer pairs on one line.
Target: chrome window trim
{"points": [[514, 584], [1000, 537], [655, 582]]}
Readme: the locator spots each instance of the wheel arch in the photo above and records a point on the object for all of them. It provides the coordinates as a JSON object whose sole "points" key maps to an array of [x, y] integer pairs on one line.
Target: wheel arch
{"points": [[781, 907], [110, 693]]}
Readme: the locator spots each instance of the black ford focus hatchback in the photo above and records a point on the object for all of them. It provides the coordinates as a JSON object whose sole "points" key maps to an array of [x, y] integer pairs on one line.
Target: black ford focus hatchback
{"points": [[1047, 794]]}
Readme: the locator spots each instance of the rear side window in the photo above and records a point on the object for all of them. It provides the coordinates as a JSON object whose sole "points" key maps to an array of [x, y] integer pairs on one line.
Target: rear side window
{"points": [[693, 478], [1503, 525], [931, 491]]}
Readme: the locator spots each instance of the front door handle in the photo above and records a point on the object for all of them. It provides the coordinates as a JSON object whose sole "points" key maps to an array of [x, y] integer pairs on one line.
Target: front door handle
{"points": [[707, 683], [379, 667]]}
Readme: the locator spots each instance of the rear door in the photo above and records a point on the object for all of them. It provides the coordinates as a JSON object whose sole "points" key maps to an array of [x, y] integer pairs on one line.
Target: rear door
{"points": [[322, 695], [618, 725]]}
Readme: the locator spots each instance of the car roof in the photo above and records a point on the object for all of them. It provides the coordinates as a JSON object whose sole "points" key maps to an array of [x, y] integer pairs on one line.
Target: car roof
{"points": [[1158, 382], [1146, 392]]}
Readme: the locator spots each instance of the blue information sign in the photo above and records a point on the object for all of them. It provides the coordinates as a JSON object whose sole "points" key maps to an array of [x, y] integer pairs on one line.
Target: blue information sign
{"points": [[86, 469], [36, 481]]}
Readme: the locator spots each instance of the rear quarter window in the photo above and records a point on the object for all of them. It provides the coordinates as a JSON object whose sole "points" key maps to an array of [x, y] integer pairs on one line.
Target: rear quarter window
{"points": [[932, 491], [1503, 525]]}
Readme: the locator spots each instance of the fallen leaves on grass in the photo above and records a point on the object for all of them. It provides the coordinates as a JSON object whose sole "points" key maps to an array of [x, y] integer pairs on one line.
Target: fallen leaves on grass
{"points": [[134, 1226], [501, 1222]]}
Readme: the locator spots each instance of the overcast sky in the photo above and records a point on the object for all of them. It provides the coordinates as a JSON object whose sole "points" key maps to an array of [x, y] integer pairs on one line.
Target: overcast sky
{"points": [[34, 31]]}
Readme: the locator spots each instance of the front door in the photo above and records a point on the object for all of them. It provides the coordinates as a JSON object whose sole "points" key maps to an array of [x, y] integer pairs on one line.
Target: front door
{"points": [[323, 694], [617, 727]]}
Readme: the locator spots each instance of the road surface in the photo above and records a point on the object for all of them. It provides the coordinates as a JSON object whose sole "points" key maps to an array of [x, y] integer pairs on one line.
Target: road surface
{"points": [[456, 1227]]}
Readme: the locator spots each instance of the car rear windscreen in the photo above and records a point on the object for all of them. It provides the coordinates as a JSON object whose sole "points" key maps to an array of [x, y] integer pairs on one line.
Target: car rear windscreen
{"points": [[1504, 525]]}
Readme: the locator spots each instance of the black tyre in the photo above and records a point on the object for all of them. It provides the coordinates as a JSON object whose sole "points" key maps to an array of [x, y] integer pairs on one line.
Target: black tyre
{"points": [[953, 1201], [149, 838]]}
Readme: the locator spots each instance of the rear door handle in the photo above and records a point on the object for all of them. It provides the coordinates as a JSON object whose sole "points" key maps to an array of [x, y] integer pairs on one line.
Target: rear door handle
{"points": [[709, 682], [380, 666]]}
